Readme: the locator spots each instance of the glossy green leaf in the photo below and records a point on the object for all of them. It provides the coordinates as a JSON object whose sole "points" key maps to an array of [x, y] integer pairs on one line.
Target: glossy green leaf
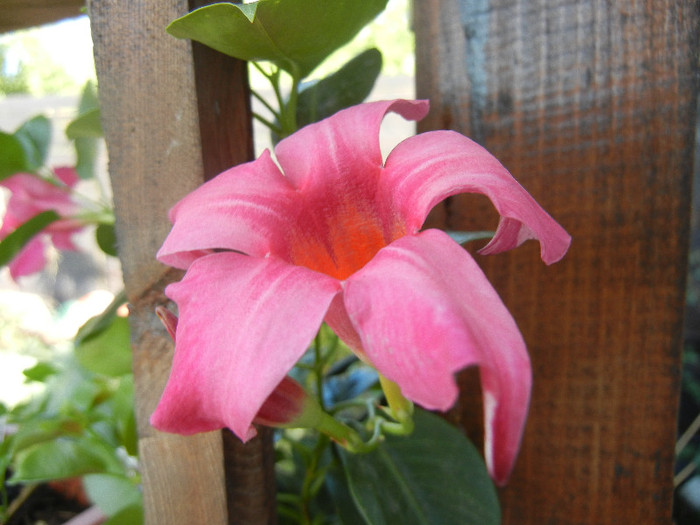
{"points": [[296, 35], [35, 137], [13, 158], [112, 493], [348, 86], [58, 459], [106, 239], [433, 476], [109, 351], [11, 245]]}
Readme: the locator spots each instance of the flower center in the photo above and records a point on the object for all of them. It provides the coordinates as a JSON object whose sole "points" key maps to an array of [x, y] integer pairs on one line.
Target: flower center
{"points": [[339, 236]]}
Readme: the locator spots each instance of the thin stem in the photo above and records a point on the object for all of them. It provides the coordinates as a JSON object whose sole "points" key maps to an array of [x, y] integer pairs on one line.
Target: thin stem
{"points": [[318, 369], [265, 103], [267, 123]]}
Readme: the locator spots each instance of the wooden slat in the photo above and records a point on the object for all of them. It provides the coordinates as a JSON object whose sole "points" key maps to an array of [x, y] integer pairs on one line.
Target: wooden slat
{"points": [[149, 111], [21, 14], [226, 131], [592, 106]]}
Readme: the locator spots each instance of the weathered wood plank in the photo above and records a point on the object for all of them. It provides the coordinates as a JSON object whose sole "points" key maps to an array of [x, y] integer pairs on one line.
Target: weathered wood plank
{"points": [[20, 14], [149, 110], [592, 107], [226, 131]]}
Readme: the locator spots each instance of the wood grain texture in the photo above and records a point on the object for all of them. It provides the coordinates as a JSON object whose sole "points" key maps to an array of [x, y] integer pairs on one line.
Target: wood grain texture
{"points": [[21, 14], [226, 131], [592, 107], [149, 112]]}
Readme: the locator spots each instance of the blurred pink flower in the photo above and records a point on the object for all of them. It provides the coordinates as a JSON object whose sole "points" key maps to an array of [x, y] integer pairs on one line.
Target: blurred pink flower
{"points": [[334, 234], [31, 195]]}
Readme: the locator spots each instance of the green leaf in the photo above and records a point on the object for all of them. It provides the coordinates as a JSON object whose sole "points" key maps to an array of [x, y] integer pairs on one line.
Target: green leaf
{"points": [[106, 239], [461, 237], [35, 137], [132, 515], [433, 476], [85, 131], [109, 351], [112, 493], [348, 86], [296, 35], [57, 459], [86, 125], [11, 245], [13, 158], [100, 322], [40, 371]]}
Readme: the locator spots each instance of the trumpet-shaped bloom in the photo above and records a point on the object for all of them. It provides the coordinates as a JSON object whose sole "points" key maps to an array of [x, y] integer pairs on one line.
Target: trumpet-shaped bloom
{"points": [[333, 233], [31, 195]]}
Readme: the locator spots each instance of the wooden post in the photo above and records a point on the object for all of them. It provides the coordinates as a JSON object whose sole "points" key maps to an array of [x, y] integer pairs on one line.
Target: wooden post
{"points": [[162, 111], [592, 106]]}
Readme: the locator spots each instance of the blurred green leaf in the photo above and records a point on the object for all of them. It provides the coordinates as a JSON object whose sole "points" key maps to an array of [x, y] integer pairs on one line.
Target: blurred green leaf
{"points": [[40, 371], [109, 351], [13, 158], [101, 322], [11, 245], [112, 493], [58, 459], [348, 86], [296, 35], [35, 137], [106, 239], [433, 476], [86, 125], [132, 515], [85, 131]]}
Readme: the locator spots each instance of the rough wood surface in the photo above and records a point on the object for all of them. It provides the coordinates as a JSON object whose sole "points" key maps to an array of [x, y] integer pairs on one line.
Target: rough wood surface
{"points": [[226, 131], [149, 111], [20, 14], [592, 106]]}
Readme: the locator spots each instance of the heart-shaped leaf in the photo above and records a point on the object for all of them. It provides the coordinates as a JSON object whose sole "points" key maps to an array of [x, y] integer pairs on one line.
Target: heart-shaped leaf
{"points": [[296, 35]]}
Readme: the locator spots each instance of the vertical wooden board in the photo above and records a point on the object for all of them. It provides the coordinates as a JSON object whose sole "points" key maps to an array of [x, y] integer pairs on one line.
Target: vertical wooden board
{"points": [[149, 113], [226, 131], [592, 106]]}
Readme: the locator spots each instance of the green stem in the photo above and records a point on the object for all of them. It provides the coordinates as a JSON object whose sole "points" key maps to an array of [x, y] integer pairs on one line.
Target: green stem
{"points": [[401, 408], [265, 103], [270, 125], [318, 369]]}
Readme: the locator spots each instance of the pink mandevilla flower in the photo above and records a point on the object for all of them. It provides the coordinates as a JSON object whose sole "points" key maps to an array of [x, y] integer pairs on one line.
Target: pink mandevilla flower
{"points": [[334, 234], [31, 195]]}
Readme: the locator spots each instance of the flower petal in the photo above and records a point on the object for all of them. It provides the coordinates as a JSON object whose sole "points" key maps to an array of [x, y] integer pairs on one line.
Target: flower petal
{"points": [[244, 322], [245, 209], [424, 310], [32, 195], [326, 153], [427, 168], [31, 258]]}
